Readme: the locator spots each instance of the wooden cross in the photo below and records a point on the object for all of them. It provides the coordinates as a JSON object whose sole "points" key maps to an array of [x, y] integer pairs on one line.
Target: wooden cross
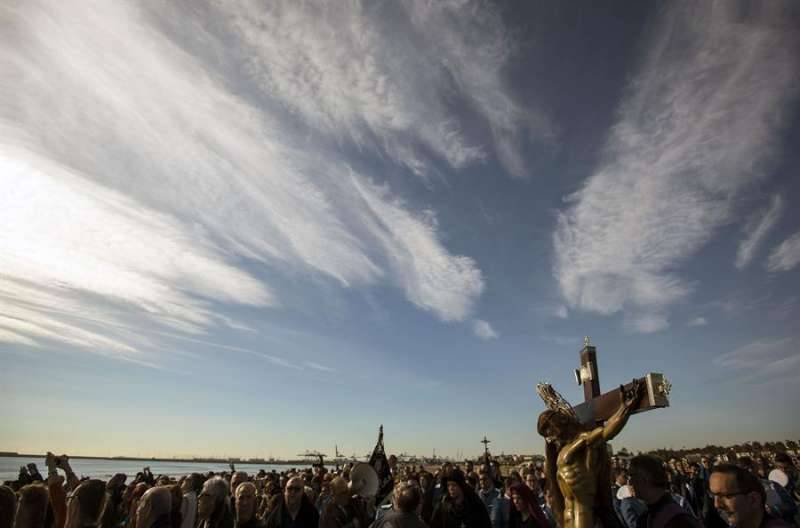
{"points": [[485, 443], [598, 407]]}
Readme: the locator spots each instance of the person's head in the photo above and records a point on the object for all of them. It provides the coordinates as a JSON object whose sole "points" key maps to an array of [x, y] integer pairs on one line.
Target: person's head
{"points": [[193, 482], [136, 493], [531, 481], [648, 478], [245, 502], [212, 498], [236, 479], [32, 509], [340, 492], [293, 494], [86, 503], [8, 507], [557, 427], [406, 497], [155, 502], [485, 481], [620, 476], [548, 497], [738, 495], [522, 497], [426, 481], [784, 462], [513, 478], [456, 486]]}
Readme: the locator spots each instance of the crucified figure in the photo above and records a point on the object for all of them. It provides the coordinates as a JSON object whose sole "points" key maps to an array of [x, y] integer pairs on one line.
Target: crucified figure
{"points": [[577, 458]]}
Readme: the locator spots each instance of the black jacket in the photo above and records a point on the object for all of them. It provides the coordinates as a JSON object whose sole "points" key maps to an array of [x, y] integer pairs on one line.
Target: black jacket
{"points": [[471, 514], [307, 517]]}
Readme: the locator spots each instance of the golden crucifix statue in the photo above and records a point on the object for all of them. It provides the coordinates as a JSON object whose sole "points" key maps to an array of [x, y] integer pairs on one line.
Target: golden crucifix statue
{"points": [[577, 459]]}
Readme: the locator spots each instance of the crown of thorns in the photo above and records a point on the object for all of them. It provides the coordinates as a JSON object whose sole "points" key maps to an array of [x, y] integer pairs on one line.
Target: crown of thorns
{"points": [[554, 400]]}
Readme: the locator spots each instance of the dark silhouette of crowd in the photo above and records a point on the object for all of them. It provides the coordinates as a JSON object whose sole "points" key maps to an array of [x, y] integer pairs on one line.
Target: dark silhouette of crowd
{"points": [[647, 492]]}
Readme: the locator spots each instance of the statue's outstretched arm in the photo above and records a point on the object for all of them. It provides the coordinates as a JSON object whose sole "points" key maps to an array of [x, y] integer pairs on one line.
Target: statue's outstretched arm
{"points": [[618, 420]]}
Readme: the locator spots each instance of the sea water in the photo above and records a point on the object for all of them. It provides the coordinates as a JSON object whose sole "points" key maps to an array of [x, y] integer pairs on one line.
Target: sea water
{"points": [[104, 468]]}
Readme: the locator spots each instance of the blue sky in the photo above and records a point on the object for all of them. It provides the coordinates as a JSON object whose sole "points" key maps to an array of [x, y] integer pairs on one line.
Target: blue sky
{"points": [[244, 229]]}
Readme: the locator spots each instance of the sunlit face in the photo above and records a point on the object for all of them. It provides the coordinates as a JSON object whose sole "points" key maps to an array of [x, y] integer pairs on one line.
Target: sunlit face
{"points": [[294, 492], [530, 480], [736, 507], [245, 502]]}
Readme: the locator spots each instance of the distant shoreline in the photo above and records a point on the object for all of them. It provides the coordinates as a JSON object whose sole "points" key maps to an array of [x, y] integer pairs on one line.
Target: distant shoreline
{"points": [[156, 459]]}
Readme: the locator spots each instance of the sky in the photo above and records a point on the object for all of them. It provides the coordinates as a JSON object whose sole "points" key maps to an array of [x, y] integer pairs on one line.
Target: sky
{"points": [[248, 229]]}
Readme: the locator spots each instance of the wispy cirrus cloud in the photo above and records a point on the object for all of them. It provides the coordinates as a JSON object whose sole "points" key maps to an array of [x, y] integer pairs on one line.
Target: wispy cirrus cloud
{"points": [[135, 177], [786, 255], [756, 229], [763, 359], [386, 75], [318, 366], [697, 126], [698, 321]]}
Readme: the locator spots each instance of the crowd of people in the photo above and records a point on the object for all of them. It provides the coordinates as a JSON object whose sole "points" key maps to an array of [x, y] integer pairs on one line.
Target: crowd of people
{"points": [[646, 492]]}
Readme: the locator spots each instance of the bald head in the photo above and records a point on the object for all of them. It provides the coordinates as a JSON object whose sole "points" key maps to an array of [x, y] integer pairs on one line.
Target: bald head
{"points": [[293, 494]]}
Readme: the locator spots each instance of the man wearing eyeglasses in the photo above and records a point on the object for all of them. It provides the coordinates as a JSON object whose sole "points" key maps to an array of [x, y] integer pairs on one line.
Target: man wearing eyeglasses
{"points": [[740, 498], [295, 510]]}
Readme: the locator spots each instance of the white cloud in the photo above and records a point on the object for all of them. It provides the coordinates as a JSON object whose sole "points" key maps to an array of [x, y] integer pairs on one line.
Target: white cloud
{"points": [[786, 255], [561, 312], [756, 230], [317, 366], [698, 321], [432, 279], [763, 358], [384, 75], [483, 329], [697, 126], [646, 322], [7, 336], [135, 182]]}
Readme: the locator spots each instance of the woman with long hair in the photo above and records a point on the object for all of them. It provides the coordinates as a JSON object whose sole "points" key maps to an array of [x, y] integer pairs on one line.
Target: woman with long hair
{"points": [[528, 512]]}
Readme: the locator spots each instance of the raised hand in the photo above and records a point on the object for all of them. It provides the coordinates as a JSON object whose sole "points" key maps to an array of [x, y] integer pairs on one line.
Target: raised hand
{"points": [[632, 396], [117, 481]]}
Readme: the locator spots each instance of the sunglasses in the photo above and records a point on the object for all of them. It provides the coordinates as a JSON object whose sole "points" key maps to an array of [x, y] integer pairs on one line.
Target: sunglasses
{"points": [[294, 488]]}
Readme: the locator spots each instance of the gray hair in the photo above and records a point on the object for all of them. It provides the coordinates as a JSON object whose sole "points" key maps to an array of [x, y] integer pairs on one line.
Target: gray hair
{"points": [[217, 487], [158, 501]]}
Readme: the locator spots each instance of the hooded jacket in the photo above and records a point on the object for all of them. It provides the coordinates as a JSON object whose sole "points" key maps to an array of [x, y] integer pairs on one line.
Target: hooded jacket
{"points": [[471, 513]]}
